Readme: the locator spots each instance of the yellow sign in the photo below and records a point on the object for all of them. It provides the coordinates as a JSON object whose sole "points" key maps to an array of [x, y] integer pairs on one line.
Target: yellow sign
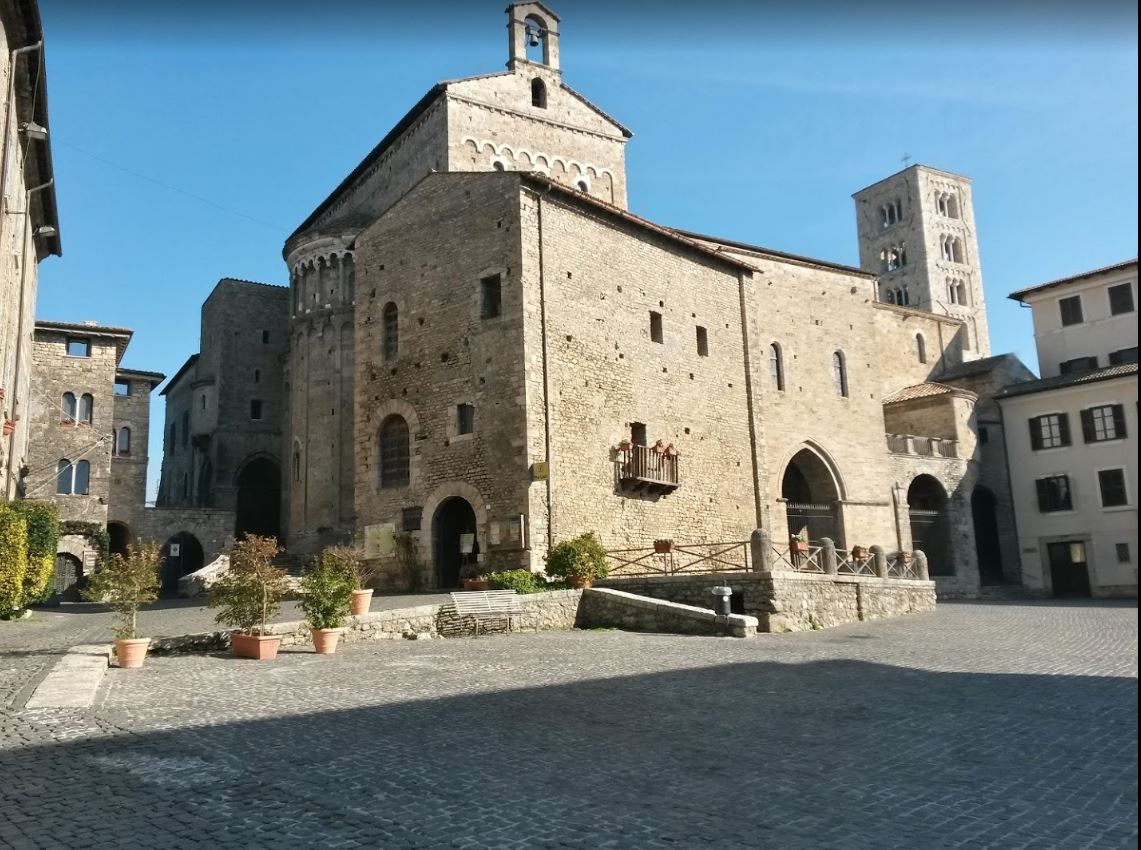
{"points": [[379, 540], [540, 470]]}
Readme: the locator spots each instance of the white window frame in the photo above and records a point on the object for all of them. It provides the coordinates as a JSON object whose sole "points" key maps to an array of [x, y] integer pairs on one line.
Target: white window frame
{"points": [[1128, 506]]}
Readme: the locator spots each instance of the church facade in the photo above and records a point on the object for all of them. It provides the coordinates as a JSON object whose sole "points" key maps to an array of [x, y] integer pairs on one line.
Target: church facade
{"points": [[486, 346]]}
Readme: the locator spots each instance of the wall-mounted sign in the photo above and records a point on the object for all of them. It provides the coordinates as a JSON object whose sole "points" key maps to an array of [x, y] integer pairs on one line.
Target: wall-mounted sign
{"points": [[507, 533], [175, 549], [379, 540], [467, 543], [540, 470]]}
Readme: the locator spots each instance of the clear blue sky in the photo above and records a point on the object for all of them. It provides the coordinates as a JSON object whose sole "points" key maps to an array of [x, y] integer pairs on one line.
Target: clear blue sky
{"points": [[751, 121]]}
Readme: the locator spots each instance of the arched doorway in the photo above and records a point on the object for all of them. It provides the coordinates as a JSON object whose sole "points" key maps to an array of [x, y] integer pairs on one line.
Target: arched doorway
{"points": [[453, 532], [68, 577], [984, 512], [258, 508], [182, 555], [120, 537], [812, 498], [930, 528]]}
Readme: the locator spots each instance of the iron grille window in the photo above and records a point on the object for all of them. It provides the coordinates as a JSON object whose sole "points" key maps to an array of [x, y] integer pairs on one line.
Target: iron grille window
{"points": [[410, 519], [1111, 482], [1054, 494], [1124, 355], [490, 297], [1051, 431], [1071, 309], [1123, 556], [1078, 364], [1121, 299], [391, 331], [465, 419], [1103, 423], [394, 453]]}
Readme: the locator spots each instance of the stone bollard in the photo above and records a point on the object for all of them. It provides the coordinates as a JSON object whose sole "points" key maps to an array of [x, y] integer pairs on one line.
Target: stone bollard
{"points": [[921, 565], [828, 554], [761, 546], [880, 560]]}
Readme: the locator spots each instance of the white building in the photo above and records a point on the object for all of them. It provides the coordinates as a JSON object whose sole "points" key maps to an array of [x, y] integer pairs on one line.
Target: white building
{"points": [[1072, 436]]}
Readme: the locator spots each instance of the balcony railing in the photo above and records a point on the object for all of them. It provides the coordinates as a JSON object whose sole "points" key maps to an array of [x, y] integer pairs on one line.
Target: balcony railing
{"points": [[910, 444], [644, 469]]}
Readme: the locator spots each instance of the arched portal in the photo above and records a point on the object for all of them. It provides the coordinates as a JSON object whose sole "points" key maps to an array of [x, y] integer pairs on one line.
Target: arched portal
{"points": [[812, 498], [930, 528], [454, 540], [120, 536], [259, 499], [182, 554], [984, 511], [68, 577]]}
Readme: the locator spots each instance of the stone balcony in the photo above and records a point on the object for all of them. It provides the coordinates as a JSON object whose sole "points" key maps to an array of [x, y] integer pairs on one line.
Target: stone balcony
{"points": [[917, 446]]}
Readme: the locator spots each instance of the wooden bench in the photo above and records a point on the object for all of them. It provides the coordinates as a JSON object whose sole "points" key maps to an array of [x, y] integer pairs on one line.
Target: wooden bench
{"points": [[487, 604]]}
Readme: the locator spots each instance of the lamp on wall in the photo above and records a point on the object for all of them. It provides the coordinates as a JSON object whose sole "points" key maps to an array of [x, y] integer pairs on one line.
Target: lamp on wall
{"points": [[34, 131], [45, 231]]}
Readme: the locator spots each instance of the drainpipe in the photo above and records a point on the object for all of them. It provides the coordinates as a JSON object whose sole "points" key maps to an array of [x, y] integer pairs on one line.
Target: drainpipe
{"points": [[546, 377], [9, 109], [749, 401]]}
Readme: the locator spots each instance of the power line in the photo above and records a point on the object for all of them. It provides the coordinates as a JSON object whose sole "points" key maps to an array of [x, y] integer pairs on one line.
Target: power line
{"points": [[168, 186]]}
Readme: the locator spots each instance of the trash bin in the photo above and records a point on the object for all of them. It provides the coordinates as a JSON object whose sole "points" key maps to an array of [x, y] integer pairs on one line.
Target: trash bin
{"points": [[721, 604]]}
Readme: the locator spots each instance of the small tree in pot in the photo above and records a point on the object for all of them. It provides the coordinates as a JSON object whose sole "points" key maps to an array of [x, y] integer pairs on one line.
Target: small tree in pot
{"points": [[361, 574], [249, 594], [326, 595], [580, 562], [125, 583]]}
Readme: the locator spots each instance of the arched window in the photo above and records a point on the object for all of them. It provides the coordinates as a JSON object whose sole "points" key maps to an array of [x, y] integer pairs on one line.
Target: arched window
{"points": [[296, 464], [537, 40], [391, 331], [839, 374], [123, 442], [538, 93], [67, 411], [921, 348], [961, 291], [64, 473], [889, 296], [906, 298], [86, 409], [394, 452], [776, 366], [82, 478]]}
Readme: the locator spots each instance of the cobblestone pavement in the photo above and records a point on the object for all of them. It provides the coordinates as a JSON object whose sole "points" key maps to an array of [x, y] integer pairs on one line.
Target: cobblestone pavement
{"points": [[1009, 725]]}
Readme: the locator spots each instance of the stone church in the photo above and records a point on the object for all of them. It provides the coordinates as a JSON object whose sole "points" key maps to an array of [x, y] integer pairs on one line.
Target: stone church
{"points": [[489, 352]]}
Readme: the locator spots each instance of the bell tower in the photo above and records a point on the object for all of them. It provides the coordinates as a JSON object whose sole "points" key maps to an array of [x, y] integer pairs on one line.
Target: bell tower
{"points": [[533, 36]]}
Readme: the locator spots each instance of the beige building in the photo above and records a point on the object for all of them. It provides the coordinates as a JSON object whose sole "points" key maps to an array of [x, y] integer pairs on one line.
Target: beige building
{"points": [[1072, 436], [490, 353], [29, 229]]}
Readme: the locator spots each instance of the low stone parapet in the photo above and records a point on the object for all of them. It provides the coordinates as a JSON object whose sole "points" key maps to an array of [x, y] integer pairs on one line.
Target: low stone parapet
{"points": [[609, 608]]}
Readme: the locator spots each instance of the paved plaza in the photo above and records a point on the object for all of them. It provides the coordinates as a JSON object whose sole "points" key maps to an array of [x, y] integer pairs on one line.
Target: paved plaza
{"points": [[1006, 725]]}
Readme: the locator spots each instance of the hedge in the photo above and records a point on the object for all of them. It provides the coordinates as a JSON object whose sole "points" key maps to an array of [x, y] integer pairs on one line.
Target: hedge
{"points": [[42, 519], [13, 559]]}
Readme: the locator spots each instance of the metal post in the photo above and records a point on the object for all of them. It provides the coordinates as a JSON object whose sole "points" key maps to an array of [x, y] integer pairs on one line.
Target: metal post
{"points": [[828, 554], [880, 560]]}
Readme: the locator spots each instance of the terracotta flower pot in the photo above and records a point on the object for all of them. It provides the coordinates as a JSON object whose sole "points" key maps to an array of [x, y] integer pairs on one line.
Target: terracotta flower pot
{"points": [[579, 582], [663, 547], [325, 640], [261, 647], [476, 584], [130, 652], [798, 545], [361, 600]]}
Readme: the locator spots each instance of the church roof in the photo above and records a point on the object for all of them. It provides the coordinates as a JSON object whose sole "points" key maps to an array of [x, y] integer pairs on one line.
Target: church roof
{"points": [[777, 255], [928, 389]]}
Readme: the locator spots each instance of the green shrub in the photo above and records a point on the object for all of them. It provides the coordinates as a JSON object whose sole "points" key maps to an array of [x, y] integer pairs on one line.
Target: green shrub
{"points": [[125, 583], [43, 539], [327, 592], [250, 592], [13, 559], [582, 558], [94, 532], [521, 581]]}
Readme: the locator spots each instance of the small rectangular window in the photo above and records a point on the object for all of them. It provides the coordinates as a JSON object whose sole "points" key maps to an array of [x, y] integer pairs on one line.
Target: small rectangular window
{"points": [[78, 346], [1077, 364], [490, 297], [656, 327], [257, 376], [410, 519], [1071, 309], [1121, 299], [465, 419], [265, 337], [1111, 483], [638, 433], [1054, 494], [202, 401], [122, 387], [1123, 556], [1123, 355], [1051, 431], [984, 435], [702, 342], [255, 408]]}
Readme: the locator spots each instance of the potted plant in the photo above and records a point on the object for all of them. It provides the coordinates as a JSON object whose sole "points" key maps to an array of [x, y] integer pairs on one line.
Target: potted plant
{"points": [[624, 445], [799, 542], [360, 573], [906, 557], [249, 594], [472, 579], [663, 547], [580, 562], [859, 553], [326, 595], [124, 583]]}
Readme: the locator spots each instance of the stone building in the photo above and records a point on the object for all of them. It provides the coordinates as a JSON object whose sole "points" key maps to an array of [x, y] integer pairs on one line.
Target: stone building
{"points": [[1072, 436], [29, 227], [224, 410], [490, 353]]}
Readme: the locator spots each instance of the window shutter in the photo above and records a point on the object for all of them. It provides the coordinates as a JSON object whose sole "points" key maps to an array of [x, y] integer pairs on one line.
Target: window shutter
{"points": [[1119, 420], [1035, 435], [1064, 428], [1088, 432], [1043, 495]]}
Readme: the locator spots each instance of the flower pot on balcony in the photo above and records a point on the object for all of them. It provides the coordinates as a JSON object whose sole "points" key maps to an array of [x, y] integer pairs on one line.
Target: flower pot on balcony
{"points": [[663, 547], [624, 446], [9, 427], [798, 545], [860, 553], [906, 557]]}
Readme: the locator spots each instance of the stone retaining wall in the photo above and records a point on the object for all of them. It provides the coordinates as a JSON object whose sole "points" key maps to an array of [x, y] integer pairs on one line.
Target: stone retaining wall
{"points": [[607, 608], [789, 601]]}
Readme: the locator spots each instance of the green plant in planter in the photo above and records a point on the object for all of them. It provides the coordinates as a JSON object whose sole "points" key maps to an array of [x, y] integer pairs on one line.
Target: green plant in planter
{"points": [[582, 559], [350, 561], [326, 592], [126, 582], [249, 593]]}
